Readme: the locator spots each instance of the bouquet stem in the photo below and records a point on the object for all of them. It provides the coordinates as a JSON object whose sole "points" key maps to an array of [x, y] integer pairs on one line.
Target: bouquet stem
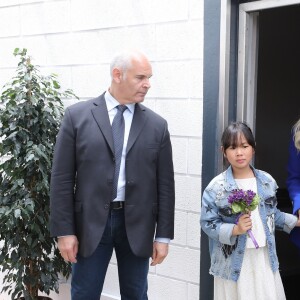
{"points": [[252, 238]]}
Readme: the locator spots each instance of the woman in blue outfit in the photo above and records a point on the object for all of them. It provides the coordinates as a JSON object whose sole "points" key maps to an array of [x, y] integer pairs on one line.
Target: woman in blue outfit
{"points": [[243, 270], [293, 181]]}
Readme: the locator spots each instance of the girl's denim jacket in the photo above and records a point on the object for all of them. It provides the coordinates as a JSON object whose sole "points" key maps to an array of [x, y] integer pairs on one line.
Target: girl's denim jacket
{"points": [[217, 221]]}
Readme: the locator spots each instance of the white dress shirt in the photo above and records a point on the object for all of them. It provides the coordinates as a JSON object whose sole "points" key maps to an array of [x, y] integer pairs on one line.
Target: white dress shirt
{"points": [[111, 104]]}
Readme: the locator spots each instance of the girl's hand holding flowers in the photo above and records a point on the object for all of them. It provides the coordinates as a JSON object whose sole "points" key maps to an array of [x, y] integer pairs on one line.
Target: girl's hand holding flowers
{"points": [[243, 225], [243, 202]]}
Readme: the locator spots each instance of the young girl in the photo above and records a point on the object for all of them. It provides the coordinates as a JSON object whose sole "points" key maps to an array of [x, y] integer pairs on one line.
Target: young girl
{"points": [[240, 270]]}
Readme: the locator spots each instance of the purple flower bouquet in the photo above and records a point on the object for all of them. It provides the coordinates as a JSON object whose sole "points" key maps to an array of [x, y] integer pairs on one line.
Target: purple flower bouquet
{"points": [[243, 202]]}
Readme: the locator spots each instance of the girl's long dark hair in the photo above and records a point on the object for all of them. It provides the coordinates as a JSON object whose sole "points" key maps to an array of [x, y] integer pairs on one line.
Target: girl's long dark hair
{"points": [[232, 134]]}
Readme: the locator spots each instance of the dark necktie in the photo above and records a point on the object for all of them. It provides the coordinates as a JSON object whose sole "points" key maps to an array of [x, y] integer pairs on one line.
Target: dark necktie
{"points": [[118, 128]]}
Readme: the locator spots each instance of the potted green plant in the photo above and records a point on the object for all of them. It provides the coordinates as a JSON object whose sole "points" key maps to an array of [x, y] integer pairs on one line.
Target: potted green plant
{"points": [[31, 110]]}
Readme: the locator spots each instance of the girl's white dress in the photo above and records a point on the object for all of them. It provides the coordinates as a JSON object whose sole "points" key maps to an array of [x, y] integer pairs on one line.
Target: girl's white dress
{"points": [[256, 281]]}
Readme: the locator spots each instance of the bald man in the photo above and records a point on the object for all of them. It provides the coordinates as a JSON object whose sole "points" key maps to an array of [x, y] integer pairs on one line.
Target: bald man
{"points": [[112, 184]]}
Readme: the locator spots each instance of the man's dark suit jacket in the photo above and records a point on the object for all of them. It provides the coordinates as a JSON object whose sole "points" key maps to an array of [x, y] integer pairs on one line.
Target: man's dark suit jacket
{"points": [[82, 176]]}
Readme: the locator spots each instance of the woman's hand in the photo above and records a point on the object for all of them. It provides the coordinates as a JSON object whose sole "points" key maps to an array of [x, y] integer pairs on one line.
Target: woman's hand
{"points": [[298, 222], [243, 225]]}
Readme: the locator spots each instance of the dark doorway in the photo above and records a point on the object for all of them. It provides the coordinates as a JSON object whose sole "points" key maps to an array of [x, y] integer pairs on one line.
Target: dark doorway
{"points": [[278, 108]]}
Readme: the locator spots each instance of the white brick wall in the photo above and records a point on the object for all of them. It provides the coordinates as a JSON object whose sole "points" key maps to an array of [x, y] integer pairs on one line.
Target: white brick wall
{"points": [[76, 40]]}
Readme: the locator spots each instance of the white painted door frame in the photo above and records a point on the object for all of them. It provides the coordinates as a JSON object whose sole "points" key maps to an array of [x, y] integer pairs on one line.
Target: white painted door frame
{"points": [[247, 55]]}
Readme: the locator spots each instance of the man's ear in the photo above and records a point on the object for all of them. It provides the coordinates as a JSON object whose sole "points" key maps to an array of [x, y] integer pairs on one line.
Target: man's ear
{"points": [[117, 75]]}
